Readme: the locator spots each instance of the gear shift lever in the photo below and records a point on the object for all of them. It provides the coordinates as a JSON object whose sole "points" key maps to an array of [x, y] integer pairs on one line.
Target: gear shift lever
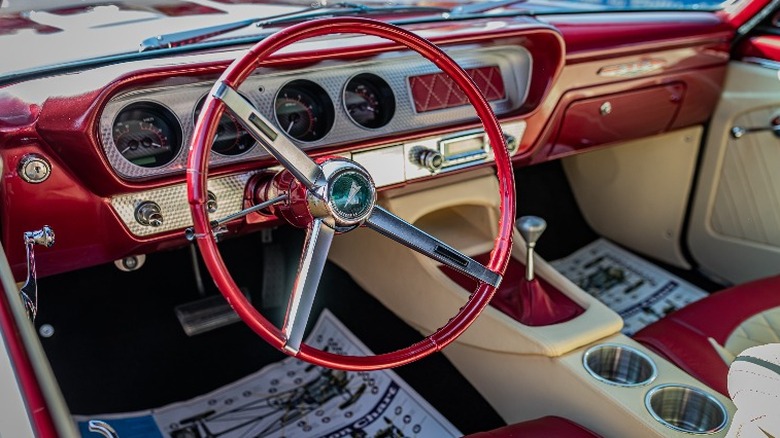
{"points": [[528, 300], [531, 229]]}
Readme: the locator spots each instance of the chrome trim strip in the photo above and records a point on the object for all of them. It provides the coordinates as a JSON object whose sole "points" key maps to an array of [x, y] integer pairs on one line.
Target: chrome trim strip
{"points": [[632, 69], [766, 63], [758, 18]]}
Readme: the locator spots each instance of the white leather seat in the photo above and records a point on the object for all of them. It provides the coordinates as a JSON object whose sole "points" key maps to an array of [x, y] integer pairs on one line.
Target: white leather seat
{"points": [[754, 386]]}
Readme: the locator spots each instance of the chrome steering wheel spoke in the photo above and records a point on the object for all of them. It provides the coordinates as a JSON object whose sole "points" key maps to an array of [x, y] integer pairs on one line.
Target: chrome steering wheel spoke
{"points": [[390, 225], [315, 253], [303, 168]]}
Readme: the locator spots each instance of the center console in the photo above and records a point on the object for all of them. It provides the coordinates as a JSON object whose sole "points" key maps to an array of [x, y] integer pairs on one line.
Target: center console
{"points": [[580, 368]]}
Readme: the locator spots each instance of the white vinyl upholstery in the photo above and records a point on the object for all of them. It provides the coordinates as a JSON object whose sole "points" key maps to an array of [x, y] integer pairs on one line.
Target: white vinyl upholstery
{"points": [[754, 386], [762, 328]]}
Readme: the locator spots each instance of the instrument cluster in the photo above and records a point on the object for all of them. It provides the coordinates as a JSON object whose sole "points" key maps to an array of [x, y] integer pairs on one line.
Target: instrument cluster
{"points": [[144, 132]]}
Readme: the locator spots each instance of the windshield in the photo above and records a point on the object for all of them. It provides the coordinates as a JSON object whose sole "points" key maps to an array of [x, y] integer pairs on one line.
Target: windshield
{"points": [[38, 33]]}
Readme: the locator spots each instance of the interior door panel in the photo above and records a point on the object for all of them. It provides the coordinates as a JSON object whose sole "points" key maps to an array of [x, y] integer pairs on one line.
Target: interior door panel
{"points": [[734, 230]]}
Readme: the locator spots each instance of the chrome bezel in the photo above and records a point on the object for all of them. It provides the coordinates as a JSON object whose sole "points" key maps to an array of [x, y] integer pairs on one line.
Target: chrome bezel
{"points": [[29, 158], [324, 93], [334, 169], [592, 350], [198, 103], [344, 100], [171, 113], [699, 391]]}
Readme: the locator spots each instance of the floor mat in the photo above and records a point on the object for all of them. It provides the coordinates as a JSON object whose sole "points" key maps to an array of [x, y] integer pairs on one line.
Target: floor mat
{"points": [[291, 398], [640, 292]]}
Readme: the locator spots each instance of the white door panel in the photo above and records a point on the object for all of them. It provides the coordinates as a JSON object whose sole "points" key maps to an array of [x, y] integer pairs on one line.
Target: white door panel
{"points": [[734, 230]]}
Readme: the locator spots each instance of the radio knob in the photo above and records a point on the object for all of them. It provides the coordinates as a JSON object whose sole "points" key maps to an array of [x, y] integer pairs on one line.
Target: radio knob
{"points": [[511, 143], [428, 158], [148, 213]]}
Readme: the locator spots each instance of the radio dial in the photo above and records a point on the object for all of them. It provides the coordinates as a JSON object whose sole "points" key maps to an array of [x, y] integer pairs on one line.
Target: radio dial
{"points": [[427, 158]]}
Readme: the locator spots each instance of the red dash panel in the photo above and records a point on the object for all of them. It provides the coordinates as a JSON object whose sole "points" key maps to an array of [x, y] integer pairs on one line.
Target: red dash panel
{"points": [[437, 91]]}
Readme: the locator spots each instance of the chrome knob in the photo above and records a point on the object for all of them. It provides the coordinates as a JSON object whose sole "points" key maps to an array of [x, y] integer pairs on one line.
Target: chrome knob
{"points": [[511, 143], [148, 213], [211, 203], [430, 159], [531, 229]]}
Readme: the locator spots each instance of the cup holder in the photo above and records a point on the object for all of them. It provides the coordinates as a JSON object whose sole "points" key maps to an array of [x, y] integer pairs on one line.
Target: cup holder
{"points": [[686, 409], [619, 365]]}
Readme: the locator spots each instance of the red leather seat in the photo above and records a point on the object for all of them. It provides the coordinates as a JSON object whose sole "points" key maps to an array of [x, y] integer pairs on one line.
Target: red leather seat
{"points": [[683, 336], [545, 427]]}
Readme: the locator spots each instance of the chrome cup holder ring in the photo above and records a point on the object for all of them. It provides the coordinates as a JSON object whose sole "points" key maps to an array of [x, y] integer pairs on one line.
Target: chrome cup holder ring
{"points": [[687, 409], [619, 365]]}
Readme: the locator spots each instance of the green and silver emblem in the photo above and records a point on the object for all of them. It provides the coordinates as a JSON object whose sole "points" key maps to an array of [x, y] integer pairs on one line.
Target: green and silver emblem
{"points": [[351, 195]]}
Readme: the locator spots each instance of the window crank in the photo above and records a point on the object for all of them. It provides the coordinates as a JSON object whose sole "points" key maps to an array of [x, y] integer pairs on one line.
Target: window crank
{"points": [[774, 126], [29, 292]]}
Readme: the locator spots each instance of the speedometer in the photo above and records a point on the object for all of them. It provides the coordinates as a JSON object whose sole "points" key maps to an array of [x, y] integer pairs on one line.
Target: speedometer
{"points": [[147, 134], [304, 110]]}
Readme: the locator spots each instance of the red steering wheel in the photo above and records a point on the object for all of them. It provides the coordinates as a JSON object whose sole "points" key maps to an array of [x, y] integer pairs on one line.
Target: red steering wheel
{"points": [[335, 195]]}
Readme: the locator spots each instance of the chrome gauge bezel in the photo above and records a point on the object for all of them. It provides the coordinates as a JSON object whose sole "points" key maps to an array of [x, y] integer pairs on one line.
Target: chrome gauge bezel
{"points": [[166, 113], [316, 92], [345, 105], [262, 87], [225, 114]]}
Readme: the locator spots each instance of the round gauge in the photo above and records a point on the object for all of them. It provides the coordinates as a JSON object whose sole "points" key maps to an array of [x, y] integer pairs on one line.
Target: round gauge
{"points": [[304, 110], [147, 134], [369, 101], [230, 138]]}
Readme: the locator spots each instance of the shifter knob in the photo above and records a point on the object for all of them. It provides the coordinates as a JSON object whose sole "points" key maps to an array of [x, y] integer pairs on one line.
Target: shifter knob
{"points": [[531, 229]]}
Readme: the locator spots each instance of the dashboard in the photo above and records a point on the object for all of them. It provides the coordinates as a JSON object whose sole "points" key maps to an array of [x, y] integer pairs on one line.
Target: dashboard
{"points": [[143, 131], [113, 139]]}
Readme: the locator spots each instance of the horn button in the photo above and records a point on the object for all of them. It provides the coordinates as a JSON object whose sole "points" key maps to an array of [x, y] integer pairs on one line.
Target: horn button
{"points": [[344, 200], [351, 196]]}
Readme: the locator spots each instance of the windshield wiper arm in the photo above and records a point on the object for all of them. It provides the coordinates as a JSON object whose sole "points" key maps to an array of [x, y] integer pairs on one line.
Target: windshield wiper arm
{"points": [[177, 39]]}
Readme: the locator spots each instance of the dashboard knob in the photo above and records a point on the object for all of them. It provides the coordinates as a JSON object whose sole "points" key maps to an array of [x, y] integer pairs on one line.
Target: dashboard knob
{"points": [[211, 203], [511, 143], [430, 159], [148, 213]]}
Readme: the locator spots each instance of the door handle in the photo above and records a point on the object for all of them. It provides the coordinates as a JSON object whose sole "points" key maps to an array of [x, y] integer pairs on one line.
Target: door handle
{"points": [[738, 132]]}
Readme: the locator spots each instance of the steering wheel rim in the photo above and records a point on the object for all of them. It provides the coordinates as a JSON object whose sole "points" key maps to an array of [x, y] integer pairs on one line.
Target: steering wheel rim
{"points": [[197, 173]]}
